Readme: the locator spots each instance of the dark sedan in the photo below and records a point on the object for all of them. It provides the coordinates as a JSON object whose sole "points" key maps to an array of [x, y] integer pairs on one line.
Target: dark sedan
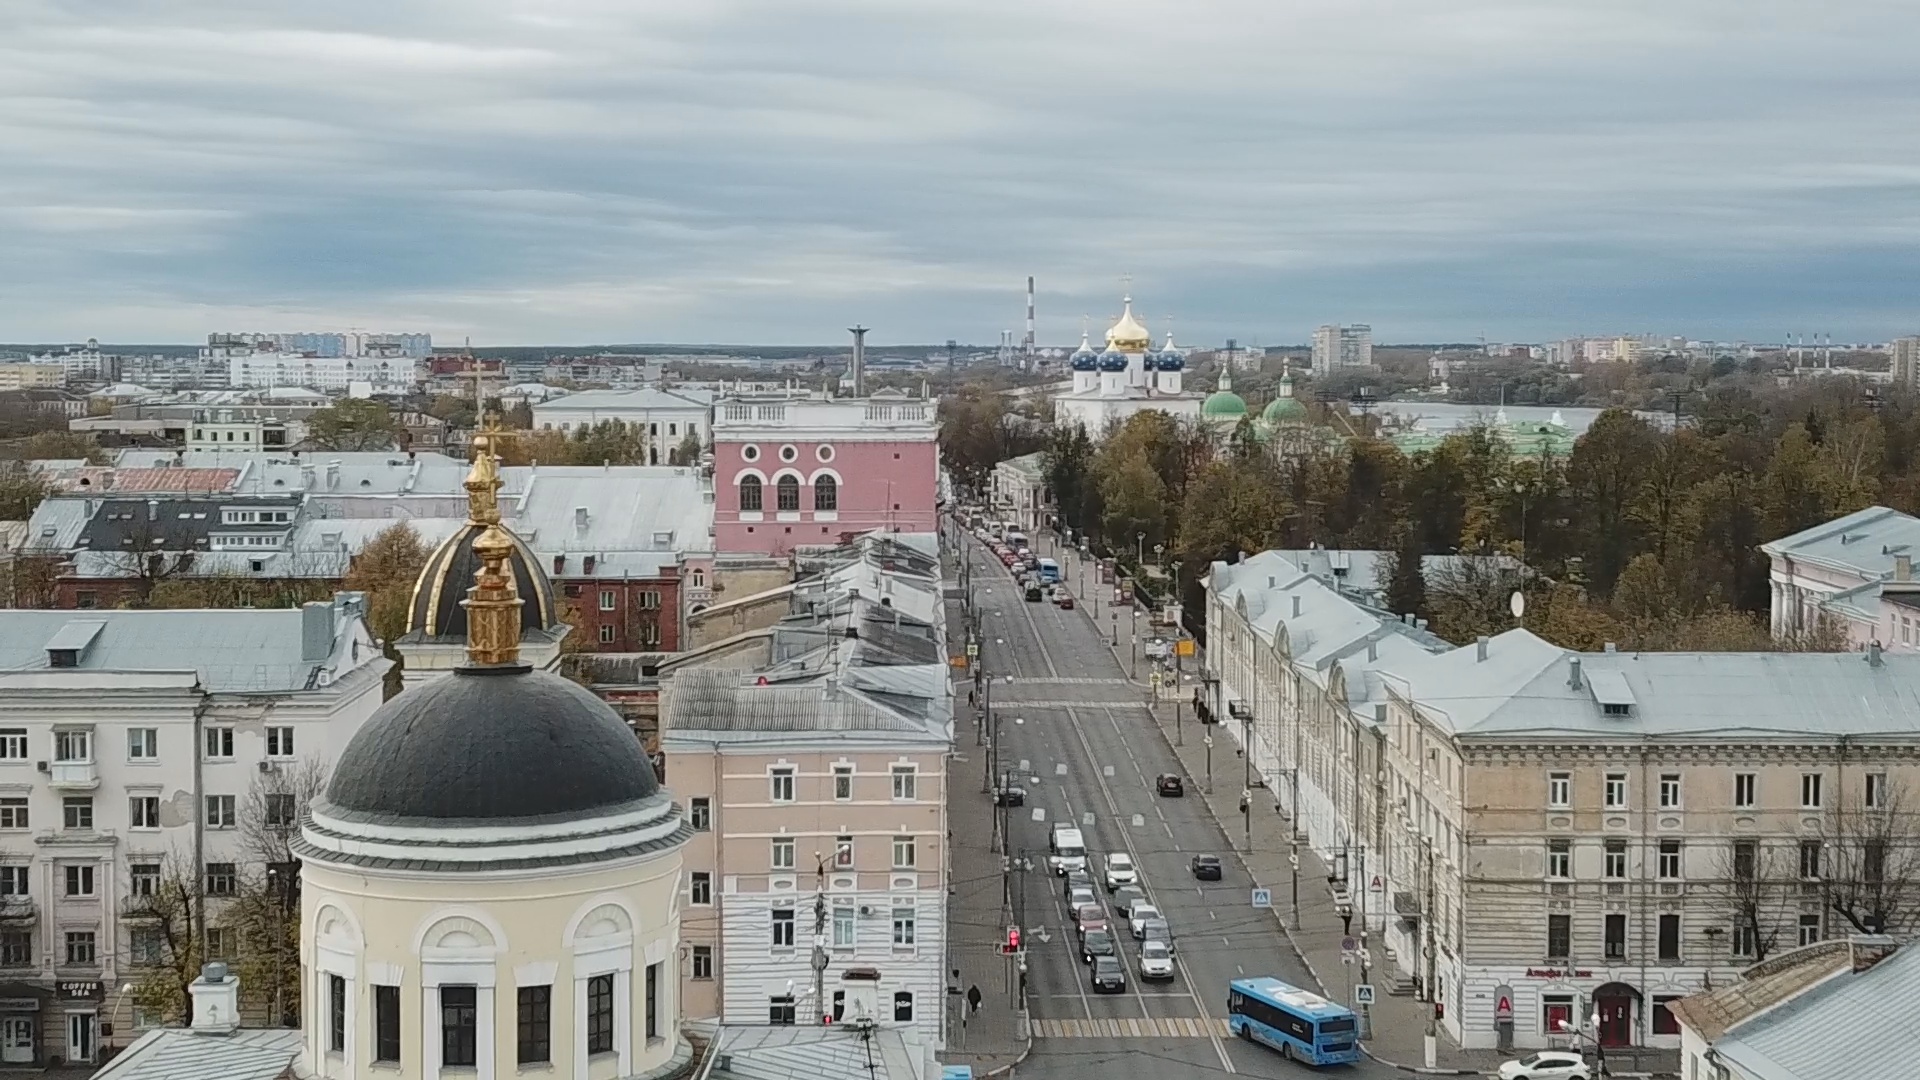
{"points": [[1206, 868], [1108, 976], [1097, 943], [1125, 897], [1169, 784]]}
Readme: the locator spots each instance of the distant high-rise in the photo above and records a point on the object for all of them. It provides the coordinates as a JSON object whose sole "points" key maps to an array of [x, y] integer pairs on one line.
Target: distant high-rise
{"points": [[1906, 361], [1337, 347]]}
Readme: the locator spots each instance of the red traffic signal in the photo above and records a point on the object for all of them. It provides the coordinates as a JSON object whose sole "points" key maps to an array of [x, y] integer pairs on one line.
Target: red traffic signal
{"points": [[1013, 940]]}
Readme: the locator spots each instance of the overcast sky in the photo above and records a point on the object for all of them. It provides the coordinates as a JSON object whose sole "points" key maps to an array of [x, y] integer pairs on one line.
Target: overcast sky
{"points": [[771, 171]]}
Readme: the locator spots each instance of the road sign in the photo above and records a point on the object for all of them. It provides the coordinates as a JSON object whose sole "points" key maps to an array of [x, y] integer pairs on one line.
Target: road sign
{"points": [[973, 649], [1502, 1003], [1263, 898], [1183, 647], [1348, 944], [1363, 994]]}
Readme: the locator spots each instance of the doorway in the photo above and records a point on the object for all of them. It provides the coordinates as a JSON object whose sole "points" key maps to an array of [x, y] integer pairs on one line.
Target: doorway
{"points": [[16, 1040], [1614, 1004], [80, 1040]]}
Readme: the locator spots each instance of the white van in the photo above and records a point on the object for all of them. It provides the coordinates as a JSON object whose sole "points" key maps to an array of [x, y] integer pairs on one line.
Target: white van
{"points": [[1066, 850]]}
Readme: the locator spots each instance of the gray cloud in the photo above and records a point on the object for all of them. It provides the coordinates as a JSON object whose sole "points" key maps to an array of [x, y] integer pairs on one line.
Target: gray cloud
{"points": [[764, 170]]}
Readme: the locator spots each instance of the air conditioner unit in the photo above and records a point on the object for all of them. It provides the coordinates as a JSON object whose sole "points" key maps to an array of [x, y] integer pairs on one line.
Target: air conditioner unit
{"points": [[267, 766], [44, 767], [866, 911]]}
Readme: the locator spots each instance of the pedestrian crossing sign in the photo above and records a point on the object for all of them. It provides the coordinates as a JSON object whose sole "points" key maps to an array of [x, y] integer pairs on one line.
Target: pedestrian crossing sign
{"points": [[1263, 898]]}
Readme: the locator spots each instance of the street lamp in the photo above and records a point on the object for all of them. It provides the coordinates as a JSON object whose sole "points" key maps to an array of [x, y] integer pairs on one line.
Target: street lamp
{"points": [[1139, 549]]}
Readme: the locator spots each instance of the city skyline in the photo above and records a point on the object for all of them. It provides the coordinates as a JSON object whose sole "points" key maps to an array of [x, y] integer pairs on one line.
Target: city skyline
{"points": [[757, 175]]}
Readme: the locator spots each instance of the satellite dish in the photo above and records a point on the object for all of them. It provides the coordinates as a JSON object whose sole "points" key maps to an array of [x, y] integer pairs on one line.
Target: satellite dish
{"points": [[1517, 603]]}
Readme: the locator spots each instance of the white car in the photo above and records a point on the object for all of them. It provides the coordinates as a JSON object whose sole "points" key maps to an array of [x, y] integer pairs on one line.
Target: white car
{"points": [[1120, 871], [1547, 1065], [1137, 917], [1076, 897], [1155, 961]]}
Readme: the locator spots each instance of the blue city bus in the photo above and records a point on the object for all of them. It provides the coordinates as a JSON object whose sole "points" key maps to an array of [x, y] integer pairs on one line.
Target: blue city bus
{"points": [[1300, 1024], [1049, 572]]}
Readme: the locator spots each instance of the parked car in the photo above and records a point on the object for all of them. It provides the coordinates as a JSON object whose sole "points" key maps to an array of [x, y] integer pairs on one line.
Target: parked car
{"points": [[1033, 593], [1156, 961], [1120, 871], [1108, 976], [1125, 897], [1137, 917], [1546, 1065], [1206, 868], [1158, 930], [1169, 784], [1095, 943]]}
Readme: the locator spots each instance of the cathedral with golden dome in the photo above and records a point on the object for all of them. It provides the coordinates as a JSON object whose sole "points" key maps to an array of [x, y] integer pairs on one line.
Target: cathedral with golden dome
{"points": [[1128, 376]]}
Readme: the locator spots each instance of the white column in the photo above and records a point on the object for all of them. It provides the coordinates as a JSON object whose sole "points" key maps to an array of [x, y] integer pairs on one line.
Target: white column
{"points": [[351, 1051], [623, 1019], [430, 1039], [580, 1027], [483, 1031]]}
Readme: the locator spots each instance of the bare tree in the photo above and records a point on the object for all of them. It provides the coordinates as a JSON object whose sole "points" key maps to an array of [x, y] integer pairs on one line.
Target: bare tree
{"points": [[1754, 894], [1470, 596], [265, 913], [1873, 863], [160, 915]]}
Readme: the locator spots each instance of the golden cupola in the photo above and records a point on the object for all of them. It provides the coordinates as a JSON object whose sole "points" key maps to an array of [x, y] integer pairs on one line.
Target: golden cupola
{"points": [[1129, 335]]}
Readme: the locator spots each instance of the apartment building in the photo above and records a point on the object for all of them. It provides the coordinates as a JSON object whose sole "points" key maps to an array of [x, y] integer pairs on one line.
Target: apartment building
{"points": [[28, 376], [133, 745], [1571, 833], [1336, 347]]}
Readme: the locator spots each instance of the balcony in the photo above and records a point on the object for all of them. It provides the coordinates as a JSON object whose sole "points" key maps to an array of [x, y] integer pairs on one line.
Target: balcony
{"points": [[73, 775], [15, 910]]}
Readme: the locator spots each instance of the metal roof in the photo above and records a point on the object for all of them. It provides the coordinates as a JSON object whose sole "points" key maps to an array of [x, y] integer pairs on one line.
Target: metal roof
{"points": [[232, 651], [1850, 1026], [805, 1052], [633, 508], [181, 1054], [1610, 688], [1862, 543]]}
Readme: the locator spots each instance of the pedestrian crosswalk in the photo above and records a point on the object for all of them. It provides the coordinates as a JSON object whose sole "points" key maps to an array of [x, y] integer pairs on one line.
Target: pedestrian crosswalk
{"points": [[1156, 1027], [1065, 680]]}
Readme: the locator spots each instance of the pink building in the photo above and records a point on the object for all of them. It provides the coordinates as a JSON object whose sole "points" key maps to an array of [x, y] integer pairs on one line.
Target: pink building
{"points": [[808, 471]]}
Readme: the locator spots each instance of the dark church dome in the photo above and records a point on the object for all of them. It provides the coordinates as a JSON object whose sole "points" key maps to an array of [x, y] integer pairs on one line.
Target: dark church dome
{"points": [[436, 612]]}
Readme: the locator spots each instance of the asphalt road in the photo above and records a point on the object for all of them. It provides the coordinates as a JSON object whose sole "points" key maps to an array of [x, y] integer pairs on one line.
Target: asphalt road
{"points": [[1078, 733]]}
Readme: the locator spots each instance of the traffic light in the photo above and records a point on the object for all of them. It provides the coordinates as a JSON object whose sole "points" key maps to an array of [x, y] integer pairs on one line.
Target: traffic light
{"points": [[1013, 941]]}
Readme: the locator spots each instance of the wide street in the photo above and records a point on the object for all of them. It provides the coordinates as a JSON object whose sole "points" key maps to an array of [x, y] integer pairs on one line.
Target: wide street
{"points": [[1077, 733]]}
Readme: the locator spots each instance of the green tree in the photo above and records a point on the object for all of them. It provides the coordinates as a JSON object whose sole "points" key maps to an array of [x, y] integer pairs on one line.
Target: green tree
{"points": [[612, 442], [688, 452], [20, 492], [352, 424], [386, 569], [1070, 477], [1605, 475], [1136, 503]]}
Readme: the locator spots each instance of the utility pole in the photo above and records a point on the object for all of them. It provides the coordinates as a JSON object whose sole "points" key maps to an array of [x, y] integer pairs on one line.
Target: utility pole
{"points": [[1366, 959], [1179, 737], [1293, 836], [820, 936], [1433, 999]]}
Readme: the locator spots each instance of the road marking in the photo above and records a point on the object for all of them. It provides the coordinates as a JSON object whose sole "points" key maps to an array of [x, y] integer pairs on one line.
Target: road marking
{"points": [[1156, 1027]]}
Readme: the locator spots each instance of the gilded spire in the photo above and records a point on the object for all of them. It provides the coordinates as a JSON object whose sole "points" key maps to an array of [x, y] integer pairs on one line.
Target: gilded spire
{"points": [[493, 602]]}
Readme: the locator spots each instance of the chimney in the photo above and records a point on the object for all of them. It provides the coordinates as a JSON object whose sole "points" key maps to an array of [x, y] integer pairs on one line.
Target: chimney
{"points": [[333, 473], [580, 518], [1612, 648], [1296, 607], [1869, 949], [559, 564], [1903, 568], [316, 632], [153, 509], [857, 372], [1573, 673], [216, 1001], [1873, 654], [1480, 649], [1373, 651]]}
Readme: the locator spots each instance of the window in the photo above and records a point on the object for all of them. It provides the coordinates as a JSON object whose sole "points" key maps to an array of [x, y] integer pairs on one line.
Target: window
{"points": [[1809, 929], [653, 1001], [78, 811], [843, 782], [783, 928], [703, 961], [336, 1014], [80, 947], [1873, 861], [1743, 939], [783, 853], [1810, 859], [700, 813], [13, 744], [146, 946], [1876, 790], [787, 491], [1669, 791], [535, 1024], [73, 746], [220, 812], [843, 928], [903, 1006], [903, 926], [14, 880], [1559, 858], [606, 634], [826, 493], [1670, 859], [1559, 790], [780, 1009], [839, 1006], [600, 1014], [281, 811], [750, 496], [280, 742], [1616, 790], [1746, 857], [220, 879], [1664, 1022], [781, 781], [1559, 937], [903, 853], [386, 1023], [1616, 937], [1743, 789], [1810, 791], [650, 598], [1616, 859], [459, 1026], [79, 878], [143, 879], [13, 813], [606, 599], [842, 852], [143, 744], [219, 743], [16, 948], [1669, 936], [905, 782], [700, 890], [143, 811]]}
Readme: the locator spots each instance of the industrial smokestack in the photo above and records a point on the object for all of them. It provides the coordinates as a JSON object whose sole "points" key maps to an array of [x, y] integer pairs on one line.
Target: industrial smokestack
{"points": [[1027, 349], [858, 372]]}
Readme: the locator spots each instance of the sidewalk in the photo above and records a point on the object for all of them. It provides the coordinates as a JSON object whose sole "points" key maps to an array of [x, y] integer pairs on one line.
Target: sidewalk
{"points": [[997, 1037], [1398, 1023]]}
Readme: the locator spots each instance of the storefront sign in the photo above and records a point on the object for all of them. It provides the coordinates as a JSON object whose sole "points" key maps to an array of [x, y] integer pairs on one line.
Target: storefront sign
{"points": [[1559, 973], [81, 991]]}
